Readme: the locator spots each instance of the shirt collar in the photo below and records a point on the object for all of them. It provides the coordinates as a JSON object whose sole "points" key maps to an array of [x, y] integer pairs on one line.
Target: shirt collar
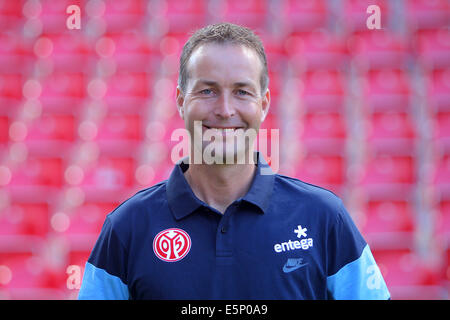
{"points": [[182, 200]]}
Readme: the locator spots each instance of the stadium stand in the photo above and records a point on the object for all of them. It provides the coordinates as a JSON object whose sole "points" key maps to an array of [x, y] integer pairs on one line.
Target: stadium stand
{"points": [[87, 116]]}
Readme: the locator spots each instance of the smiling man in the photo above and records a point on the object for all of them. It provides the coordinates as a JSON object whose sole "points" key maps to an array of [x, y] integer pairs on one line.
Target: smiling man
{"points": [[223, 94], [223, 229]]}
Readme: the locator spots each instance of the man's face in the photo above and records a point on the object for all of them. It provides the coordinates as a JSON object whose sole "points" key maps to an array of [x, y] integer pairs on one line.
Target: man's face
{"points": [[224, 93]]}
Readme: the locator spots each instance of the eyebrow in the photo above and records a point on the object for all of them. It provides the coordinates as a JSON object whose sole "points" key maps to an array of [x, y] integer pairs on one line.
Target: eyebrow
{"points": [[239, 84]]}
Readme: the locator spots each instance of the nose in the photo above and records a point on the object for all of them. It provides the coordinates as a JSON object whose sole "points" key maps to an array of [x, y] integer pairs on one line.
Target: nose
{"points": [[225, 108]]}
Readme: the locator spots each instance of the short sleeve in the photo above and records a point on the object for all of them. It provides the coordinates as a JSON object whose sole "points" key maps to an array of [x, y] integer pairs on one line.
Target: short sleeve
{"points": [[352, 271], [105, 271]]}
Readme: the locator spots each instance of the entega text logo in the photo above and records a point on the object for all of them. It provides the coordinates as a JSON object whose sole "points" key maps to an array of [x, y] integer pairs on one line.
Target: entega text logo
{"points": [[303, 244]]}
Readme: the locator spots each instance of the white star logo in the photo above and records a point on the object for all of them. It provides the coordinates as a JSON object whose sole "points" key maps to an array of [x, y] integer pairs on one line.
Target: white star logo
{"points": [[300, 231]]}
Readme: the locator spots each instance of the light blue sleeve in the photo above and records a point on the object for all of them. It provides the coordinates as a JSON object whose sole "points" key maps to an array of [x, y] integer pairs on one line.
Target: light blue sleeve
{"points": [[100, 285], [360, 279]]}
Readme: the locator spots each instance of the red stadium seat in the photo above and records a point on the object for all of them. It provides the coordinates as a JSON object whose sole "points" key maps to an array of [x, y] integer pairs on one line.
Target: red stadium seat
{"points": [[17, 269], [63, 91], [441, 132], [324, 170], [160, 130], [79, 257], [130, 52], [276, 60], [275, 51], [15, 55], [386, 90], [275, 87], [441, 176], [170, 45], [109, 173], [52, 131], [446, 271], [388, 175], [82, 225], [406, 275], [300, 16], [251, 13], [433, 48], [391, 132], [11, 15], [25, 219], [323, 130], [38, 171], [67, 52], [4, 130], [322, 91], [53, 15], [183, 15], [438, 90], [388, 223], [116, 127], [354, 14], [128, 91], [424, 14], [25, 273], [375, 49], [442, 222], [10, 91], [125, 15], [316, 50], [390, 169]]}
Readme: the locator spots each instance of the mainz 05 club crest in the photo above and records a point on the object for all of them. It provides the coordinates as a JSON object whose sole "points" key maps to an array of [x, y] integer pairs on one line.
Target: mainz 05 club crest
{"points": [[172, 244]]}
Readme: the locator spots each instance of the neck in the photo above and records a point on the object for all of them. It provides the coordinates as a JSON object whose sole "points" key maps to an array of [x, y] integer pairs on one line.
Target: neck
{"points": [[220, 185]]}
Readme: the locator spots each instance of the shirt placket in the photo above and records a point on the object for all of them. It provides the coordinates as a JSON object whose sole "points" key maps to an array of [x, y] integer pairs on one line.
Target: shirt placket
{"points": [[224, 236]]}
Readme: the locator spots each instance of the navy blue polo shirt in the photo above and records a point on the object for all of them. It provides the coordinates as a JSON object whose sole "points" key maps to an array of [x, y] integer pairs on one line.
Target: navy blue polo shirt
{"points": [[285, 239]]}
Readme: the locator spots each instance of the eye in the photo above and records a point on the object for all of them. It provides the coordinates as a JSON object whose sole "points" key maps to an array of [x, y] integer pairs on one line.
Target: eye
{"points": [[242, 92], [206, 91]]}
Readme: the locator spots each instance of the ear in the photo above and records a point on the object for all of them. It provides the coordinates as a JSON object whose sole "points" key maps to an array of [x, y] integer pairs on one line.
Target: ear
{"points": [[265, 105], [180, 102]]}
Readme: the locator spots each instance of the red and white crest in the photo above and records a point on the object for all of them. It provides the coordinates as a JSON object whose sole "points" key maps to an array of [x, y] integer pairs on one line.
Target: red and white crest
{"points": [[172, 244]]}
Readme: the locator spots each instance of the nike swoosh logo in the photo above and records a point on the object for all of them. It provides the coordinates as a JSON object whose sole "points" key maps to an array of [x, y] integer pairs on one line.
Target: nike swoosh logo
{"points": [[288, 269]]}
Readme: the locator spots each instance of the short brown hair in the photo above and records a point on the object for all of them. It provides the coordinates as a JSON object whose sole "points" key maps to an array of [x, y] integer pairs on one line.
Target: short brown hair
{"points": [[223, 33]]}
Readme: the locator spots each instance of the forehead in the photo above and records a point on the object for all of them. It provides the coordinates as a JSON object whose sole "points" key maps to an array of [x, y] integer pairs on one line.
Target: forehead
{"points": [[224, 62]]}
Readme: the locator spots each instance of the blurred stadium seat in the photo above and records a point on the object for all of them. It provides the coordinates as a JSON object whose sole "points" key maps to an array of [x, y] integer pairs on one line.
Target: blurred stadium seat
{"points": [[323, 90], [376, 49], [323, 169], [10, 91], [432, 47], [15, 55], [181, 15], [354, 14], [60, 91], [386, 89], [438, 90], [87, 116], [324, 131], [388, 223], [11, 15], [25, 219], [127, 52], [442, 223], [251, 13], [407, 276], [316, 50], [300, 16], [423, 14], [391, 132]]}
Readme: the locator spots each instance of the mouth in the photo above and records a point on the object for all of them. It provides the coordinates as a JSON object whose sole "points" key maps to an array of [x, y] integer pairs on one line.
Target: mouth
{"points": [[222, 130]]}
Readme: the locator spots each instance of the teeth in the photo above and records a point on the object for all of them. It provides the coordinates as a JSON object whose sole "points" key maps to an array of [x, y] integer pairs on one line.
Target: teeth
{"points": [[227, 130]]}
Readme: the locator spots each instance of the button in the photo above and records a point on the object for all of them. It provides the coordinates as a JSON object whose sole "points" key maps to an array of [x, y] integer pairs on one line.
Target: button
{"points": [[224, 229]]}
